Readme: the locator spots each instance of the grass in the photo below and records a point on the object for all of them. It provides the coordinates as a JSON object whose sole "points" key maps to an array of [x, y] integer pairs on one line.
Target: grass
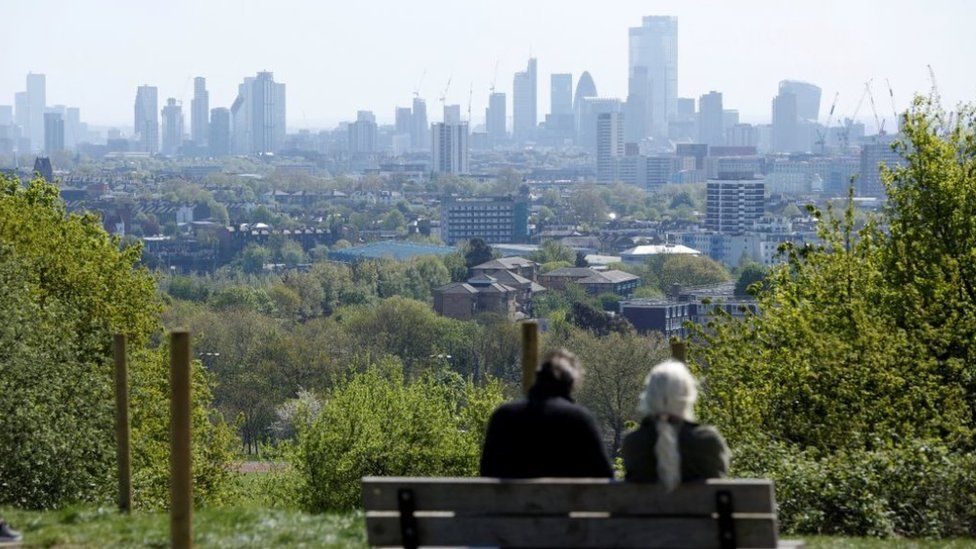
{"points": [[230, 527], [84, 527]]}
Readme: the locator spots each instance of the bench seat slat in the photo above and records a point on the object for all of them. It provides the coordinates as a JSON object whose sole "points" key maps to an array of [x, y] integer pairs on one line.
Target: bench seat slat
{"points": [[473, 496], [383, 530]]}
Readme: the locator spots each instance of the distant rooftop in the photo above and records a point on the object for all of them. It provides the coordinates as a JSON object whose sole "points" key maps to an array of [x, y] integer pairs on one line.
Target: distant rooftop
{"points": [[390, 249]]}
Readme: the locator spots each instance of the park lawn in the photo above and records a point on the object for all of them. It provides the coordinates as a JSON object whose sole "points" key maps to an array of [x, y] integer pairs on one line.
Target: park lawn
{"points": [[255, 527]]}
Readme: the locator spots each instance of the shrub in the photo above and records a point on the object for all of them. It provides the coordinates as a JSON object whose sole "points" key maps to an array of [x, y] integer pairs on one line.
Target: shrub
{"points": [[916, 489], [377, 424]]}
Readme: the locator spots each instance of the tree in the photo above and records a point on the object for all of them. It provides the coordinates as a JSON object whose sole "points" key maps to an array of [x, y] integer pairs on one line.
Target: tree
{"points": [[254, 257], [478, 252], [749, 274], [581, 260], [589, 206], [590, 318], [292, 253]]}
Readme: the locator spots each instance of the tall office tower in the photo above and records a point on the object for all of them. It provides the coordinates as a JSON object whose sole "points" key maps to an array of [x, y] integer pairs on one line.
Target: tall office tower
{"points": [[524, 110], [6, 115], [218, 137], [785, 132], [419, 138], [404, 121], [199, 111], [742, 135], [449, 148], [36, 102], [733, 206], [72, 127], [362, 134], [172, 127], [636, 106], [21, 112], [495, 118], [807, 98], [711, 127], [584, 88], [452, 114], [609, 145], [654, 46], [147, 119], [590, 109], [53, 132], [561, 94]]}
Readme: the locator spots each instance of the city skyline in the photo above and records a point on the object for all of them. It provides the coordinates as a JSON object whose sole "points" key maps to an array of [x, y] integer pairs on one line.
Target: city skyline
{"points": [[734, 50]]}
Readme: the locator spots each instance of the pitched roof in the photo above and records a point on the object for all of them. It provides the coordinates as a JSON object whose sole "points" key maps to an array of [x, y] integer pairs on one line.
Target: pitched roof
{"points": [[608, 277], [513, 262]]}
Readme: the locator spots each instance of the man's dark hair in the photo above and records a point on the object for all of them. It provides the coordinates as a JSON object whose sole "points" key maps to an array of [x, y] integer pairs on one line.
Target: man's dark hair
{"points": [[559, 372]]}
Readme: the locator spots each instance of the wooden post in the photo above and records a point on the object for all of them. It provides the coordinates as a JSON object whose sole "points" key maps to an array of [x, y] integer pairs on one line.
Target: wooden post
{"points": [[122, 432], [530, 354], [181, 476], [679, 350]]}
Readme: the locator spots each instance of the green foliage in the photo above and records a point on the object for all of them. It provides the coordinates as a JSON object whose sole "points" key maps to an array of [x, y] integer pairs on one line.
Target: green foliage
{"points": [[477, 251], [588, 317], [254, 257], [749, 274], [377, 424], [57, 433], [554, 251]]}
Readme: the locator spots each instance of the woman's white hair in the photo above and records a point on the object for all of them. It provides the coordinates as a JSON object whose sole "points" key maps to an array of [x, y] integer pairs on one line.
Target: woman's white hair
{"points": [[670, 392]]}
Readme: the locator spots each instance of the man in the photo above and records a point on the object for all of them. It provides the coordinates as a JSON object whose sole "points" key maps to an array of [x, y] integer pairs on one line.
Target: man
{"points": [[546, 434]]}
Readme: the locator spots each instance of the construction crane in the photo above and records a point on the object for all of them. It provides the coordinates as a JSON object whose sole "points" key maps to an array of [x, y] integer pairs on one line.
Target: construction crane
{"points": [[878, 123], [416, 91], [891, 97], [470, 94], [846, 134], [822, 132], [443, 97], [934, 92], [494, 77]]}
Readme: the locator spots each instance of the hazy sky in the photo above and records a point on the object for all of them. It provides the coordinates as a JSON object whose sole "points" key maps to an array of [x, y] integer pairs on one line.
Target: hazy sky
{"points": [[338, 56]]}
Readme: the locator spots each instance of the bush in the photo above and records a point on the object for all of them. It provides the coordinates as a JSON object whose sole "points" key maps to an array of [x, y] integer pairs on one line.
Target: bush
{"points": [[376, 424], [917, 489]]}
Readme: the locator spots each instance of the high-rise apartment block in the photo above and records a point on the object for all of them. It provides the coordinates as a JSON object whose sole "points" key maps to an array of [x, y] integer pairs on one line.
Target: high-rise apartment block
{"points": [[258, 115], [733, 206], [524, 104], [218, 138], [172, 127], [420, 137], [146, 126], [609, 145], [495, 220], [495, 120], [653, 64], [53, 132], [711, 127], [449, 147], [199, 112], [36, 106], [362, 134]]}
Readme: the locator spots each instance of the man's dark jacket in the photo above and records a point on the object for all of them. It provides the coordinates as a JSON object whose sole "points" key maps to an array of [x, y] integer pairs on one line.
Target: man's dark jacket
{"points": [[545, 435]]}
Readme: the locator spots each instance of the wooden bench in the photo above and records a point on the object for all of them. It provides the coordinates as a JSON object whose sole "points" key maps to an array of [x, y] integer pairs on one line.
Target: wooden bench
{"points": [[485, 512]]}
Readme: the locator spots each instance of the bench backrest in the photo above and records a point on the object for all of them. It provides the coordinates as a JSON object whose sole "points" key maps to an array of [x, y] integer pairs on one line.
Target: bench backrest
{"points": [[412, 512]]}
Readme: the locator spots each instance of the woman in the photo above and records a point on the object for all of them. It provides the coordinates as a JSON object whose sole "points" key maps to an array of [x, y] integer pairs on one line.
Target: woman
{"points": [[669, 447]]}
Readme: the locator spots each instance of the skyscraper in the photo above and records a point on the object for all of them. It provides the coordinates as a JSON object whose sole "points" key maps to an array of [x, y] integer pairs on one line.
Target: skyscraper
{"points": [[22, 114], [199, 111], [609, 145], [561, 94], [590, 109], [785, 130], [147, 119], [218, 138], [258, 115], [654, 46], [172, 127], [362, 134], [419, 138], [452, 114], [524, 105], [404, 121], [585, 87], [495, 118], [53, 132], [711, 127], [72, 127], [36, 102], [807, 98], [733, 206], [449, 148]]}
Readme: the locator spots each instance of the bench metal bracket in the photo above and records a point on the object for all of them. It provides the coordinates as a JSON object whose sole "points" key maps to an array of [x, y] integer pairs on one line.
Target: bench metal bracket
{"points": [[726, 524], [408, 522]]}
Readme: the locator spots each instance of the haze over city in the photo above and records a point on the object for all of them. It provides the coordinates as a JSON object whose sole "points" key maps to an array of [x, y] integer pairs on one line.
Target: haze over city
{"points": [[340, 58]]}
